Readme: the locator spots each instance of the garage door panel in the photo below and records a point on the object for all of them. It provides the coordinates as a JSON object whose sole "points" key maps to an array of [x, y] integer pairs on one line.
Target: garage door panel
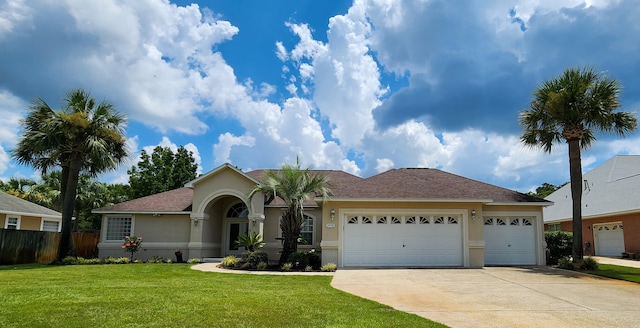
{"points": [[509, 241], [402, 243], [609, 239]]}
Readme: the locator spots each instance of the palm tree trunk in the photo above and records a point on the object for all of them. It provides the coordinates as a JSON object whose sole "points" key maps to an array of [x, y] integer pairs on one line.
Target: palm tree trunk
{"points": [[289, 236], [575, 172], [65, 247]]}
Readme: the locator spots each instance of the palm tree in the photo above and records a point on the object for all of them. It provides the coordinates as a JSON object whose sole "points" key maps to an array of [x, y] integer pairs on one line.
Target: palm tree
{"points": [[84, 136], [572, 108], [293, 185]]}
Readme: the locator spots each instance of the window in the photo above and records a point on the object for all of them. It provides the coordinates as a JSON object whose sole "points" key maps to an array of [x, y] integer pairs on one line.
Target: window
{"points": [[12, 223], [118, 228], [52, 226], [554, 227], [307, 229], [238, 210]]}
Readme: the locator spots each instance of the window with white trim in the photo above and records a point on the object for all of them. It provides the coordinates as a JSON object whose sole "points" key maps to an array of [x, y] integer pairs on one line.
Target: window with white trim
{"points": [[12, 223], [554, 227], [306, 232], [49, 225], [118, 228]]}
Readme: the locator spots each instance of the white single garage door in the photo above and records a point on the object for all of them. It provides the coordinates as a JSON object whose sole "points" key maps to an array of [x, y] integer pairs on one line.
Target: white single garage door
{"points": [[402, 240], [509, 241], [609, 239]]}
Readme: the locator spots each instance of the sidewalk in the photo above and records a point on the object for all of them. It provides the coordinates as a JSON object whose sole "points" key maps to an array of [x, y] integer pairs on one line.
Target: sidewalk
{"points": [[617, 261]]}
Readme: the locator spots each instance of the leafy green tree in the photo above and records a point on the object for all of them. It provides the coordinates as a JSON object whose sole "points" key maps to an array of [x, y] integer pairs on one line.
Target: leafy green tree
{"points": [[545, 190], [293, 185], [85, 136], [161, 171], [571, 108]]}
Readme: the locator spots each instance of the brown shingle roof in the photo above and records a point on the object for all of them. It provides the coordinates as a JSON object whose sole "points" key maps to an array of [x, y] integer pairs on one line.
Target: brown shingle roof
{"points": [[406, 183], [424, 183], [177, 200]]}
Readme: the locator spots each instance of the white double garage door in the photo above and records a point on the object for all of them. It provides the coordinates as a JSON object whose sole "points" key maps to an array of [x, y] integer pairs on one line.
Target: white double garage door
{"points": [[432, 240]]}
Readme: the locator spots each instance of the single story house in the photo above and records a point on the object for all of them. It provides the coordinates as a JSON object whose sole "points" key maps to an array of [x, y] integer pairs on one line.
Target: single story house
{"points": [[19, 214], [401, 218], [610, 208]]}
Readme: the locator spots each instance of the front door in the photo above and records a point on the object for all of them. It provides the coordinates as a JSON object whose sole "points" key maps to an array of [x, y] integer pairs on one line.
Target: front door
{"points": [[235, 229]]}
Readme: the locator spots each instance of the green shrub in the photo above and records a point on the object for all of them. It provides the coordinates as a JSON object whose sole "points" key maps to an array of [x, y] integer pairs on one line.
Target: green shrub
{"points": [[329, 267], [298, 259], [565, 263], [168, 260], [229, 261], [250, 241], [69, 260], [314, 259], [94, 260], [559, 244], [261, 266], [256, 257], [138, 261], [123, 260], [193, 260], [308, 268], [110, 260], [247, 266], [155, 259], [82, 261], [589, 263], [287, 267]]}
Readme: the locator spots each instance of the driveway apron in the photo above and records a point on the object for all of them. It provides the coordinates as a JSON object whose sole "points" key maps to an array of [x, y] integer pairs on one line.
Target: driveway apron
{"points": [[499, 296]]}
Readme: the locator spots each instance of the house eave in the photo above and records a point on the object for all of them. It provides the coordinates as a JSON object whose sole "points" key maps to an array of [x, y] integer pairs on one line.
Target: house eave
{"points": [[143, 212], [544, 204], [410, 200], [52, 216], [595, 216]]}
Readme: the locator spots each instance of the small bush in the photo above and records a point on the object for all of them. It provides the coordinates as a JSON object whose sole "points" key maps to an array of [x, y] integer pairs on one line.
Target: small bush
{"points": [[298, 259], [565, 263], [247, 266], [229, 261], [314, 259], [287, 267], [261, 266], [138, 261], [308, 268], [559, 244], [123, 260], [94, 260], [110, 260], [155, 259], [589, 263], [193, 260], [168, 260], [69, 260], [256, 257], [329, 267]]}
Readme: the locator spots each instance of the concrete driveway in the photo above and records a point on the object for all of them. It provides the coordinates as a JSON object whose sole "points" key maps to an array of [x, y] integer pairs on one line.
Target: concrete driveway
{"points": [[499, 297]]}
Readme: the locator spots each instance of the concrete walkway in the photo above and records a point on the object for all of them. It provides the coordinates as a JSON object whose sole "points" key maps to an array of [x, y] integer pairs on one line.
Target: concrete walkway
{"points": [[499, 296]]}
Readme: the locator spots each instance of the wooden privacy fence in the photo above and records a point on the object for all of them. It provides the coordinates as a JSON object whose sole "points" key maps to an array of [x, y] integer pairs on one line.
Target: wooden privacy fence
{"points": [[23, 246]]}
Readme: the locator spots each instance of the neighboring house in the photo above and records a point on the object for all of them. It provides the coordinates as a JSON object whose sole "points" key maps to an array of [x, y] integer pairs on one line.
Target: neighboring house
{"points": [[610, 208], [19, 214], [402, 217]]}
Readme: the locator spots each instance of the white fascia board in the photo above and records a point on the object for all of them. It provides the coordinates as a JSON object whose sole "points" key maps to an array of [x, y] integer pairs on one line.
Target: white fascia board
{"points": [[545, 204], [33, 214], [410, 200], [140, 212]]}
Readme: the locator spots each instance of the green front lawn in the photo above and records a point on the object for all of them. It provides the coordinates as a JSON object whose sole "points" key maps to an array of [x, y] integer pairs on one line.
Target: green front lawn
{"points": [[173, 295], [617, 272]]}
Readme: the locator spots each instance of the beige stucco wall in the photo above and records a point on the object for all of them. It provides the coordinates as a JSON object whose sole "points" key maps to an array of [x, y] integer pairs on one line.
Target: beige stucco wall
{"points": [[161, 236], [30, 223]]}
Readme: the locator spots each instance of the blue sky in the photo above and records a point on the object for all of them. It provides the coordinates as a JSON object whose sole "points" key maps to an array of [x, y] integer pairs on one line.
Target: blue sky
{"points": [[360, 86]]}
